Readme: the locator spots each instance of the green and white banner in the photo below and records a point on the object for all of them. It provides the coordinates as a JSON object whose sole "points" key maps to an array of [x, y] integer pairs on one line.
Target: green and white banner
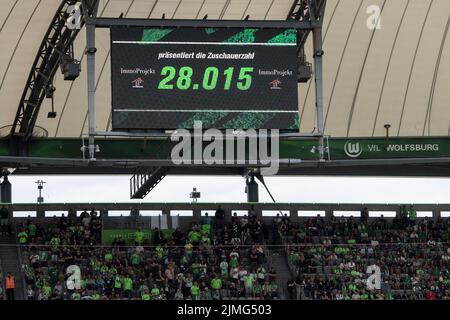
{"points": [[387, 149], [108, 235]]}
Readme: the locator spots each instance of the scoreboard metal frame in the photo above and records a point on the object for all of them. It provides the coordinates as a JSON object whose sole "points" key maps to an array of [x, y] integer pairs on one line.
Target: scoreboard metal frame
{"points": [[308, 25]]}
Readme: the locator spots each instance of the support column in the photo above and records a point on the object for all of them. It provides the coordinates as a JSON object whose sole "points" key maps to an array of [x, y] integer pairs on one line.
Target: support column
{"points": [[169, 221], [252, 190], [90, 52], [197, 215], [40, 212], [328, 214], [436, 214], [6, 190], [318, 76]]}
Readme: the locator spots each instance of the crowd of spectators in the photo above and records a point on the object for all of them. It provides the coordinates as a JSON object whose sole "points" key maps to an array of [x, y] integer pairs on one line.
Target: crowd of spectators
{"points": [[331, 257], [215, 259], [211, 261]]}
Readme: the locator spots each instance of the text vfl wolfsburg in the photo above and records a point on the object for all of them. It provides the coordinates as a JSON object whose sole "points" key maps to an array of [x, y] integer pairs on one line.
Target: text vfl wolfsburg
{"points": [[356, 149], [412, 147]]}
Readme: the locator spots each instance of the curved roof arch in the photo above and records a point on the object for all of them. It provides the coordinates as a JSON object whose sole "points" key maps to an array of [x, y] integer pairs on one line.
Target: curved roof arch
{"points": [[395, 75]]}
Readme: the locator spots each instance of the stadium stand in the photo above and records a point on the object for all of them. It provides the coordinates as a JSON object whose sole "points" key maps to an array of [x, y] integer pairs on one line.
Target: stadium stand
{"points": [[330, 258], [209, 261], [241, 258]]}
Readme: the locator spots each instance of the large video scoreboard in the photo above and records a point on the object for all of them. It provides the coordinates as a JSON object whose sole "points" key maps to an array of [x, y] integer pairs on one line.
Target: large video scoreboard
{"points": [[227, 78]]}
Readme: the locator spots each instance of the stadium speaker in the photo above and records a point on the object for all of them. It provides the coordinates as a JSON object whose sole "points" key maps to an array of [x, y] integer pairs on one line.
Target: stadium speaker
{"points": [[72, 71], [304, 73]]}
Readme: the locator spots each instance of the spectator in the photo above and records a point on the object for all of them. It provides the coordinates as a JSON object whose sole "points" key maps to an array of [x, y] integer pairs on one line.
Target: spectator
{"points": [[4, 221], [364, 215], [139, 237], [10, 285], [412, 215], [219, 217], [22, 236]]}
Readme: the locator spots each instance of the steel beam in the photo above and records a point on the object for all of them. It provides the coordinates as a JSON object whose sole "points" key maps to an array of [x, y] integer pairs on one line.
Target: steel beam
{"points": [[189, 23]]}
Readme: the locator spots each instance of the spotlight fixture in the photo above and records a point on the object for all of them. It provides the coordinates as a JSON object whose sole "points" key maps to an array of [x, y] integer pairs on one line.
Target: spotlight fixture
{"points": [[52, 115], [194, 195]]}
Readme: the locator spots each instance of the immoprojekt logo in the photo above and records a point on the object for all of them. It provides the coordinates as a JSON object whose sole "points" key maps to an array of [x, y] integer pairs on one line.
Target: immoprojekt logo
{"points": [[137, 83], [275, 84], [353, 149], [213, 147]]}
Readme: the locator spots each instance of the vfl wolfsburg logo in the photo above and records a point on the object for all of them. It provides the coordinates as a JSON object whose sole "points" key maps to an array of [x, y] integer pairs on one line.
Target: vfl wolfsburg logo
{"points": [[353, 149]]}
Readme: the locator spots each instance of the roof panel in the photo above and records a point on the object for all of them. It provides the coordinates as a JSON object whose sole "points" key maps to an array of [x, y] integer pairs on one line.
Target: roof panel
{"points": [[400, 68], [376, 67], [413, 120], [352, 67]]}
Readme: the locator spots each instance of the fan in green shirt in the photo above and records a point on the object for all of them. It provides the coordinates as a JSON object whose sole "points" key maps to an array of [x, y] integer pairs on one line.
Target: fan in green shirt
{"points": [[412, 214], [195, 291], [23, 237], [145, 296], [155, 293], [195, 269], [108, 257], [76, 296], [206, 228], [32, 230], [55, 241], [194, 237], [205, 239], [127, 284], [135, 259], [117, 282], [159, 252], [216, 283], [294, 258], [104, 269], [352, 287], [47, 290], [249, 280], [224, 273], [354, 273], [139, 237], [233, 263]]}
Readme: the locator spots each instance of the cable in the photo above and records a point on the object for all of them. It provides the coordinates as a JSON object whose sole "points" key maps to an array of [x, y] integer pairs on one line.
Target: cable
{"points": [[261, 179]]}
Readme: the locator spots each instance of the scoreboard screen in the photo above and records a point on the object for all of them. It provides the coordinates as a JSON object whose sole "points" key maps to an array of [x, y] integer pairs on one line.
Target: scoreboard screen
{"points": [[226, 78]]}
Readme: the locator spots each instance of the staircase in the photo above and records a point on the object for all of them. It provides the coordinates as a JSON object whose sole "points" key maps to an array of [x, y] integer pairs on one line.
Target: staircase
{"points": [[279, 262], [10, 262], [145, 180]]}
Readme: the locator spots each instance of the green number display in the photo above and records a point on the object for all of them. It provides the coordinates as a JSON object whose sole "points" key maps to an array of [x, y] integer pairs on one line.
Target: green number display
{"points": [[210, 78], [228, 77], [169, 72], [184, 79], [247, 78]]}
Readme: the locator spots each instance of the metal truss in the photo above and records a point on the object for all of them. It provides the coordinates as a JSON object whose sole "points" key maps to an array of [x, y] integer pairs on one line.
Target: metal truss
{"points": [[56, 45], [307, 11], [311, 11]]}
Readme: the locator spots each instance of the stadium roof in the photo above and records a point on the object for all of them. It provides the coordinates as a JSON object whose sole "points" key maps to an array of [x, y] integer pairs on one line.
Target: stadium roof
{"points": [[396, 75]]}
